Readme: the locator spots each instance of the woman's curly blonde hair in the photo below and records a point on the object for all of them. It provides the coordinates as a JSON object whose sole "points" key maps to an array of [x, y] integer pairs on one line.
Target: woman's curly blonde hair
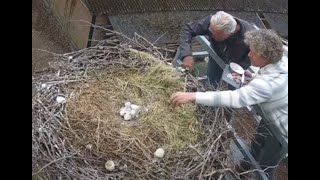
{"points": [[266, 43]]}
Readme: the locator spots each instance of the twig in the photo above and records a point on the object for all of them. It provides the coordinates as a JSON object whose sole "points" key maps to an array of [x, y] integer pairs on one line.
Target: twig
{"points": [[159, 38], [54, 161], [65, 81], [254, 170], [46, 51]]}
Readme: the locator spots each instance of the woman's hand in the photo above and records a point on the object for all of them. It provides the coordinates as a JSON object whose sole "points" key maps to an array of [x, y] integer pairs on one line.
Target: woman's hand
{"points": [[182, 97]]}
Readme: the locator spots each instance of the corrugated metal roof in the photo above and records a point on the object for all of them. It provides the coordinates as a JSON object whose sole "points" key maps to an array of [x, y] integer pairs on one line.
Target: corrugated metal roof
{"points": [[113, 7]]}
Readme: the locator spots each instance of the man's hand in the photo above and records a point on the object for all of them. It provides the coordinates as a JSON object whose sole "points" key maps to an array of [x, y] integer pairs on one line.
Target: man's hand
{"points": [[187, 62], [182, 98]]}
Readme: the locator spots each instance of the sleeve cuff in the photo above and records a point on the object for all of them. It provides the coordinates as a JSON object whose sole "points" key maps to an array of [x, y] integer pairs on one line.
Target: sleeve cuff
{"points": [[203, 98]]}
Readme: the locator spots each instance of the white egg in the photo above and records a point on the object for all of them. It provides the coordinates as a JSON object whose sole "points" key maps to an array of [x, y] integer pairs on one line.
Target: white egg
{"points": [[134, 107], [43, 85], [70, 57], [127, 117], [133, 112], [61, 99], [127, 104], [110, 165], [122, 111], [128, 109], [159, 153]]}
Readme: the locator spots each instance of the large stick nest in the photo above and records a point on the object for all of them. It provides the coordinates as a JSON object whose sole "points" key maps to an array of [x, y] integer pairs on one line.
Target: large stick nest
{"points": [[74, 140]]}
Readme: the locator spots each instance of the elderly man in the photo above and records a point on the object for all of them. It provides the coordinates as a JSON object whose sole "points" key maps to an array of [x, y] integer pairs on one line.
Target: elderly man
{"points": [[269, 88], [226, 34]]}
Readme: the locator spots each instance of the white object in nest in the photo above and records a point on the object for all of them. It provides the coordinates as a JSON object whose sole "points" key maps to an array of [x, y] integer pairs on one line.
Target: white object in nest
{"points": [[61, 99], [122, 111], [70, 57], [159, 153], [129, 111], [126, 109], [127, 117], [133, 112], [43, 85], [110, 165], [89, 146], [236, 68], [135, 107], [127, 104]]}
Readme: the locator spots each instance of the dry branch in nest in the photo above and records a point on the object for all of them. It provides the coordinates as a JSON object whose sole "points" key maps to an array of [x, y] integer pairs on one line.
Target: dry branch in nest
{"points": [[74, 139]]}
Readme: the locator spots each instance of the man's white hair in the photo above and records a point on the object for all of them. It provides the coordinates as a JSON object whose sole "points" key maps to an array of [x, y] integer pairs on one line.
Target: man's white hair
{"points": [[223, 21]]}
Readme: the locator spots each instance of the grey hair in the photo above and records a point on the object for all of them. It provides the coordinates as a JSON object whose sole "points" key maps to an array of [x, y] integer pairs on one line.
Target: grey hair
{"points": [[223, 21], [266, 43]]}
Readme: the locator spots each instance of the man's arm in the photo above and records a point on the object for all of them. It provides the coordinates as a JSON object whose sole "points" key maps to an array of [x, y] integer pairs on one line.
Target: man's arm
{"points": [[257, 91], [191, 30]]}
